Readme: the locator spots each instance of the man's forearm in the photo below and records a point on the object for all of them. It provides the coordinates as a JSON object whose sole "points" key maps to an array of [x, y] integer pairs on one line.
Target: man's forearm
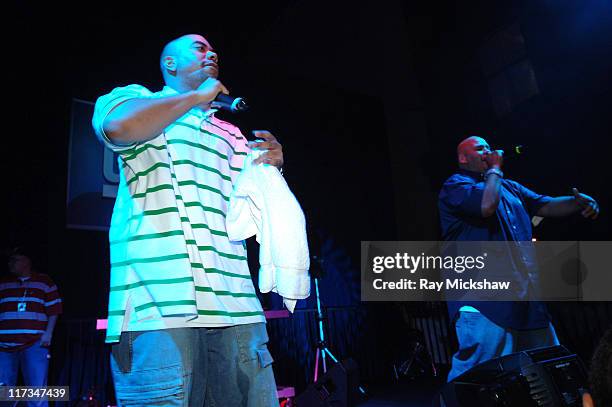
{"points": [[559, 206], [490, 196], [138, 120], [51, 324]]}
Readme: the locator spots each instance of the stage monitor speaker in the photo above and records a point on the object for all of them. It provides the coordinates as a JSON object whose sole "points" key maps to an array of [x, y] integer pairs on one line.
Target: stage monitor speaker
{"points": [[338, 387], [543, 377]]}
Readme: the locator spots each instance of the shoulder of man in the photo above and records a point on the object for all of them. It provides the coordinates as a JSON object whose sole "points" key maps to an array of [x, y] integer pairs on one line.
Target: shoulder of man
{"points": [[457, 179], [42, 278], [118, 95], [107, 102], [133, 88], [461, 191]]}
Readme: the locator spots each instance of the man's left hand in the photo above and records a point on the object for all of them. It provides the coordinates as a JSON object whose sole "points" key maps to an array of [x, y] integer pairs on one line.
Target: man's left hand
{"points": [[45, 340], [590, 208], [274, 153]]}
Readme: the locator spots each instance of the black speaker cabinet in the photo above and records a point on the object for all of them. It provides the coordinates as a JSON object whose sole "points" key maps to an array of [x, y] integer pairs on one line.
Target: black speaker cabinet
{"points": [[543, 377], [338, 387]]}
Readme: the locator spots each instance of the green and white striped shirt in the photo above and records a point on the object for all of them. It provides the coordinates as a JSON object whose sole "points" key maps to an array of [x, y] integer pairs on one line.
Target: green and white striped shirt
{"points": [[172, 264]]}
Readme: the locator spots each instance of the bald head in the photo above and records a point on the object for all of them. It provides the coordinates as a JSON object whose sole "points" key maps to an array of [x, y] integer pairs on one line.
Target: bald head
{"points": [[170, 49], [187, 61], [174, 48], [470, 153], [468, 144]]}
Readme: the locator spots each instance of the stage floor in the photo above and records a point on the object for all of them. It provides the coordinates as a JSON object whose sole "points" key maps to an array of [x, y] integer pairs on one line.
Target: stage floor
{"points": [[417, 393]]}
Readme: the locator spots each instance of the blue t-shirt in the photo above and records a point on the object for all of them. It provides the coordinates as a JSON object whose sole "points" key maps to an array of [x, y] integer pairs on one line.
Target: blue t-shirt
{"points": [[461, 219]]}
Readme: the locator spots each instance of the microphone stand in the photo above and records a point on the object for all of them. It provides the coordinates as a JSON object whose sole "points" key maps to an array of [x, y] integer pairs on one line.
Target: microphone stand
{"points": [[322, 349]]}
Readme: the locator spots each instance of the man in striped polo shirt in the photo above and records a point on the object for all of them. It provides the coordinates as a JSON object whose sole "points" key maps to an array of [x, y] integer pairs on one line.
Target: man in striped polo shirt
{"points": [[186, 325], [29, 306]]}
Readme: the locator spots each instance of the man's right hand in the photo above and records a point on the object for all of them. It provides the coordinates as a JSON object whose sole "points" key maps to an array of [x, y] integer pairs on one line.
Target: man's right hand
{"points": [[209, 89], [495, 159]]}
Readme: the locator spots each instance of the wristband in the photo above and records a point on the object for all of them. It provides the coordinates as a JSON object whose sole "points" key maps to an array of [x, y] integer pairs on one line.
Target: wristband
{"points": [[490, 171]]}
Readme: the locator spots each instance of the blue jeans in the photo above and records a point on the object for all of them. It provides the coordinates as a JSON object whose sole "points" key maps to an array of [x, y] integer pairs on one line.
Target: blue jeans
{"points": [[228, 366], [34, 364], [481, 340]]}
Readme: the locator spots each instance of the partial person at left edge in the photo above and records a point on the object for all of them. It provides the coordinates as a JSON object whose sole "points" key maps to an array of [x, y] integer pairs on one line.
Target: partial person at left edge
{"points": [[29, 307]]}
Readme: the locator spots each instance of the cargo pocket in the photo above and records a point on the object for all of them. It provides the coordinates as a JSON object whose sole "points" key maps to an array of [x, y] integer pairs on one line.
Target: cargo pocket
{"points": [[264, 357], [251, 340], [158, 387], [256, 378]]}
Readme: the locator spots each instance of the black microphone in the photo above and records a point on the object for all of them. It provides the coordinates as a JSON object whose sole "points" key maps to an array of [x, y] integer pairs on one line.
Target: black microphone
{"points": [[230, 103]]}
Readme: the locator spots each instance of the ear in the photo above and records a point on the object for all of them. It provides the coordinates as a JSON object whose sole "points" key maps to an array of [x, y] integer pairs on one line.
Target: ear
{"points": [[587, 400], [169, 63], [462, 159]]}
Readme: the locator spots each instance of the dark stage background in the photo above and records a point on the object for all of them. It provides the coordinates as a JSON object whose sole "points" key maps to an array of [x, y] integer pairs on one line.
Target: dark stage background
{"points": [[369, 101]]}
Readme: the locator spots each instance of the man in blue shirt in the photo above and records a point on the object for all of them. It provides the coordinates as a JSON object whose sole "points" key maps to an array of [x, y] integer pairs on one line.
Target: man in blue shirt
{"points": [[478, 204]]}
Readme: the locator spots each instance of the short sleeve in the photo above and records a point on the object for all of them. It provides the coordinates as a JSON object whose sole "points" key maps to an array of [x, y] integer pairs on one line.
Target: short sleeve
{"points": [[531, 200], [463, 195], [108, 102], [53, 301]]}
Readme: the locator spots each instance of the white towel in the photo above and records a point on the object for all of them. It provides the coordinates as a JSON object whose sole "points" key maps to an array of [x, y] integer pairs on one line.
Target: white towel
{"points": [[262, 204]]}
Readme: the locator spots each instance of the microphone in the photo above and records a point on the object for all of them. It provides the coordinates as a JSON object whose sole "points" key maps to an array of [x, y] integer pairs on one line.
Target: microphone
{"points": [[518, 150], [514, 151], [230, 103]]}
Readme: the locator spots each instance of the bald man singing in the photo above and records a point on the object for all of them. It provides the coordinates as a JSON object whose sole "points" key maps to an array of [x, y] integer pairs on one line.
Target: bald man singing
{"points": [[478, 204], [185, 324]]}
